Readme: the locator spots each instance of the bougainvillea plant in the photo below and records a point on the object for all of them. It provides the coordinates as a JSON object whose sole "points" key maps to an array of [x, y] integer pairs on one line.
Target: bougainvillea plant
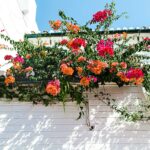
{"points": [[86, 56]]}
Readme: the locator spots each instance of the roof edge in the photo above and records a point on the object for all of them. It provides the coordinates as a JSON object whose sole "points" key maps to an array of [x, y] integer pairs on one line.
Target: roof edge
{"points": [[56, 34]]}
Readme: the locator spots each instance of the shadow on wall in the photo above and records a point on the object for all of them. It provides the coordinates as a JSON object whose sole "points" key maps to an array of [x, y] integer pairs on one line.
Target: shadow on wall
{"points": [[27, 127]]}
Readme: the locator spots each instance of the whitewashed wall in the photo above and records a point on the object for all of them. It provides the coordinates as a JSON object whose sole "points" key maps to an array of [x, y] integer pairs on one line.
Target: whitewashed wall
{"points": [[27, 127], [17, 17]]}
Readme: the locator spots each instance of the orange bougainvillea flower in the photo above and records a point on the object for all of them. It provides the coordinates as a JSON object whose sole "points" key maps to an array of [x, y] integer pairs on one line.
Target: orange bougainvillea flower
{"points": [[114, 64], [69, 44], [85, 81], [55, 24], [53, 87], [28, 69], [73, 28], [122, 76], [17, 66], [28, 56], [139, 81], [80, 70], [9, 80], [81, 58], [66, 70], [96, 66], [124, 35]]}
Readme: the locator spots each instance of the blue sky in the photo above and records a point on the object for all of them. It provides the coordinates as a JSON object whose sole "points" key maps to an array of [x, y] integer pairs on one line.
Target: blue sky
{"points": [[82, 10]]}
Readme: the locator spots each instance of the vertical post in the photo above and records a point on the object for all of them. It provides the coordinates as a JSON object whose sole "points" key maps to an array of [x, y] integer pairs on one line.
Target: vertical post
{"points": [[87, 112]]}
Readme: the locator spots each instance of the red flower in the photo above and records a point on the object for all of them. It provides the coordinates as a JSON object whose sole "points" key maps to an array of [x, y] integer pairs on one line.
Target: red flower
{"points": [[8, 57], [64, 42], [147, 39], [105, 47], [77, 43], [101, 16]]}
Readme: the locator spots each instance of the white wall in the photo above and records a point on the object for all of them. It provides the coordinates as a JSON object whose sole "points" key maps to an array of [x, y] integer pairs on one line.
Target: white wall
{"points": [[27, 127], [17, 17]]}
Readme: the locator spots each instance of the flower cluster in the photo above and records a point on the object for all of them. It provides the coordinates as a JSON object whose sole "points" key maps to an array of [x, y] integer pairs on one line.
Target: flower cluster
{"points": [[96, 66], [8, 57], [76, 43], [115, 65], [73, 28], [101, 16], [105, 47], [9, 80], [134, 75], [55, 24], [18, 59], [66, 70], [53, 87], [17, 65]]}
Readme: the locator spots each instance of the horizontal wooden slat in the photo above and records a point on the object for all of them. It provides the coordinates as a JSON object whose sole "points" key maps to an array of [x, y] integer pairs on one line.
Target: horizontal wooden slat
{"points": [[24, 139], [80, 146]]}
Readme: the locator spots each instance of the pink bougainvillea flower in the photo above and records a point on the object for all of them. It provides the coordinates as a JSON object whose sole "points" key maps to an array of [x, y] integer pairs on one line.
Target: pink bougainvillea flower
{"points": [[123, 65], [8, 57], [19, 59], [53, 87], [105, 47], [93, 78], [101, 16], [134, 73]]}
